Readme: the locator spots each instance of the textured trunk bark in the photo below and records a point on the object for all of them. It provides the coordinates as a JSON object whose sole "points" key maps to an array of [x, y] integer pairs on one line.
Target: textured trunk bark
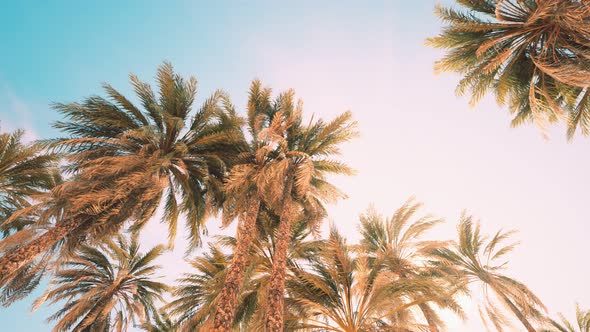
{"points": [[228, 300], [275, 305], [517, 313], [15, 259]]}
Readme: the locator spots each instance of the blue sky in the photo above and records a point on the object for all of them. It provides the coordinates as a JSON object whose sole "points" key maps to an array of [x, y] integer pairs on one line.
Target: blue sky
{"points": [[417, 138], [64, 50]]}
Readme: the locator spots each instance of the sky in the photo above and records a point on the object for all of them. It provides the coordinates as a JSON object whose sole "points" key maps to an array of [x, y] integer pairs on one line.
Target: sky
{"points": [[417, 137]]}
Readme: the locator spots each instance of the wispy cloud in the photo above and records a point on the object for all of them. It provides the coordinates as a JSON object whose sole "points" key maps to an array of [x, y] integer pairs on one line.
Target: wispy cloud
{"points": [[15, 113]]}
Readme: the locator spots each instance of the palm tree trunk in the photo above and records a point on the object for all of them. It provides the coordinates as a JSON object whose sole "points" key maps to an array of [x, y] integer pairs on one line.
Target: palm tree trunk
{"points": [[228, 300], [15, 259], [275, 305], [517, 313]]}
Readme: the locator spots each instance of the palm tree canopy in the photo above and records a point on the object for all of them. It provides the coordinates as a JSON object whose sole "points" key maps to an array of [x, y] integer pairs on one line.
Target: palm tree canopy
{"points": [[126, 160], [533, 54], [280, 143], [106, 289], [26, 171], [398, 238], [395, 244], [481, 259], [343, 292]]}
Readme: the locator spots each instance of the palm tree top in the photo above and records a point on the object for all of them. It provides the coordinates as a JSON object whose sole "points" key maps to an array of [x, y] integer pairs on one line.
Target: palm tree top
{"points": [[106, 288], [532, 54], [479, 258], [133, 158], [281, 144], [344, 292], [397, 237]]}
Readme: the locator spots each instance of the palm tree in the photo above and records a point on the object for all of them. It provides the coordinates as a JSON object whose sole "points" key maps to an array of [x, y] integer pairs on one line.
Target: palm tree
{"points": [[478, 258], [395, 245], [252, 179], [582, 319], [533, 54], [304, 156], [106, 289], [344, 292], [125, 161], [26, 171], [267, 173]]}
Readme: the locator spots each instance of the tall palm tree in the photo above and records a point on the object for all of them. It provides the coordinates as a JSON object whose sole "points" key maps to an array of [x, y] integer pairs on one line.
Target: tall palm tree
{"points": [[249, 182], [124, 161], [26, 171], [479, 259], [395, 245], [305, 155], [582, 320], [534, 54], [268, 172], [343, 292], [106, 289]]}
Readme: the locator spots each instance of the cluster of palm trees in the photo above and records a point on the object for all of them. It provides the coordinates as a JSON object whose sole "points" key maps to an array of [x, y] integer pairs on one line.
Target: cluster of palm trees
{"points": [[72, 207], [120, 164]]}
